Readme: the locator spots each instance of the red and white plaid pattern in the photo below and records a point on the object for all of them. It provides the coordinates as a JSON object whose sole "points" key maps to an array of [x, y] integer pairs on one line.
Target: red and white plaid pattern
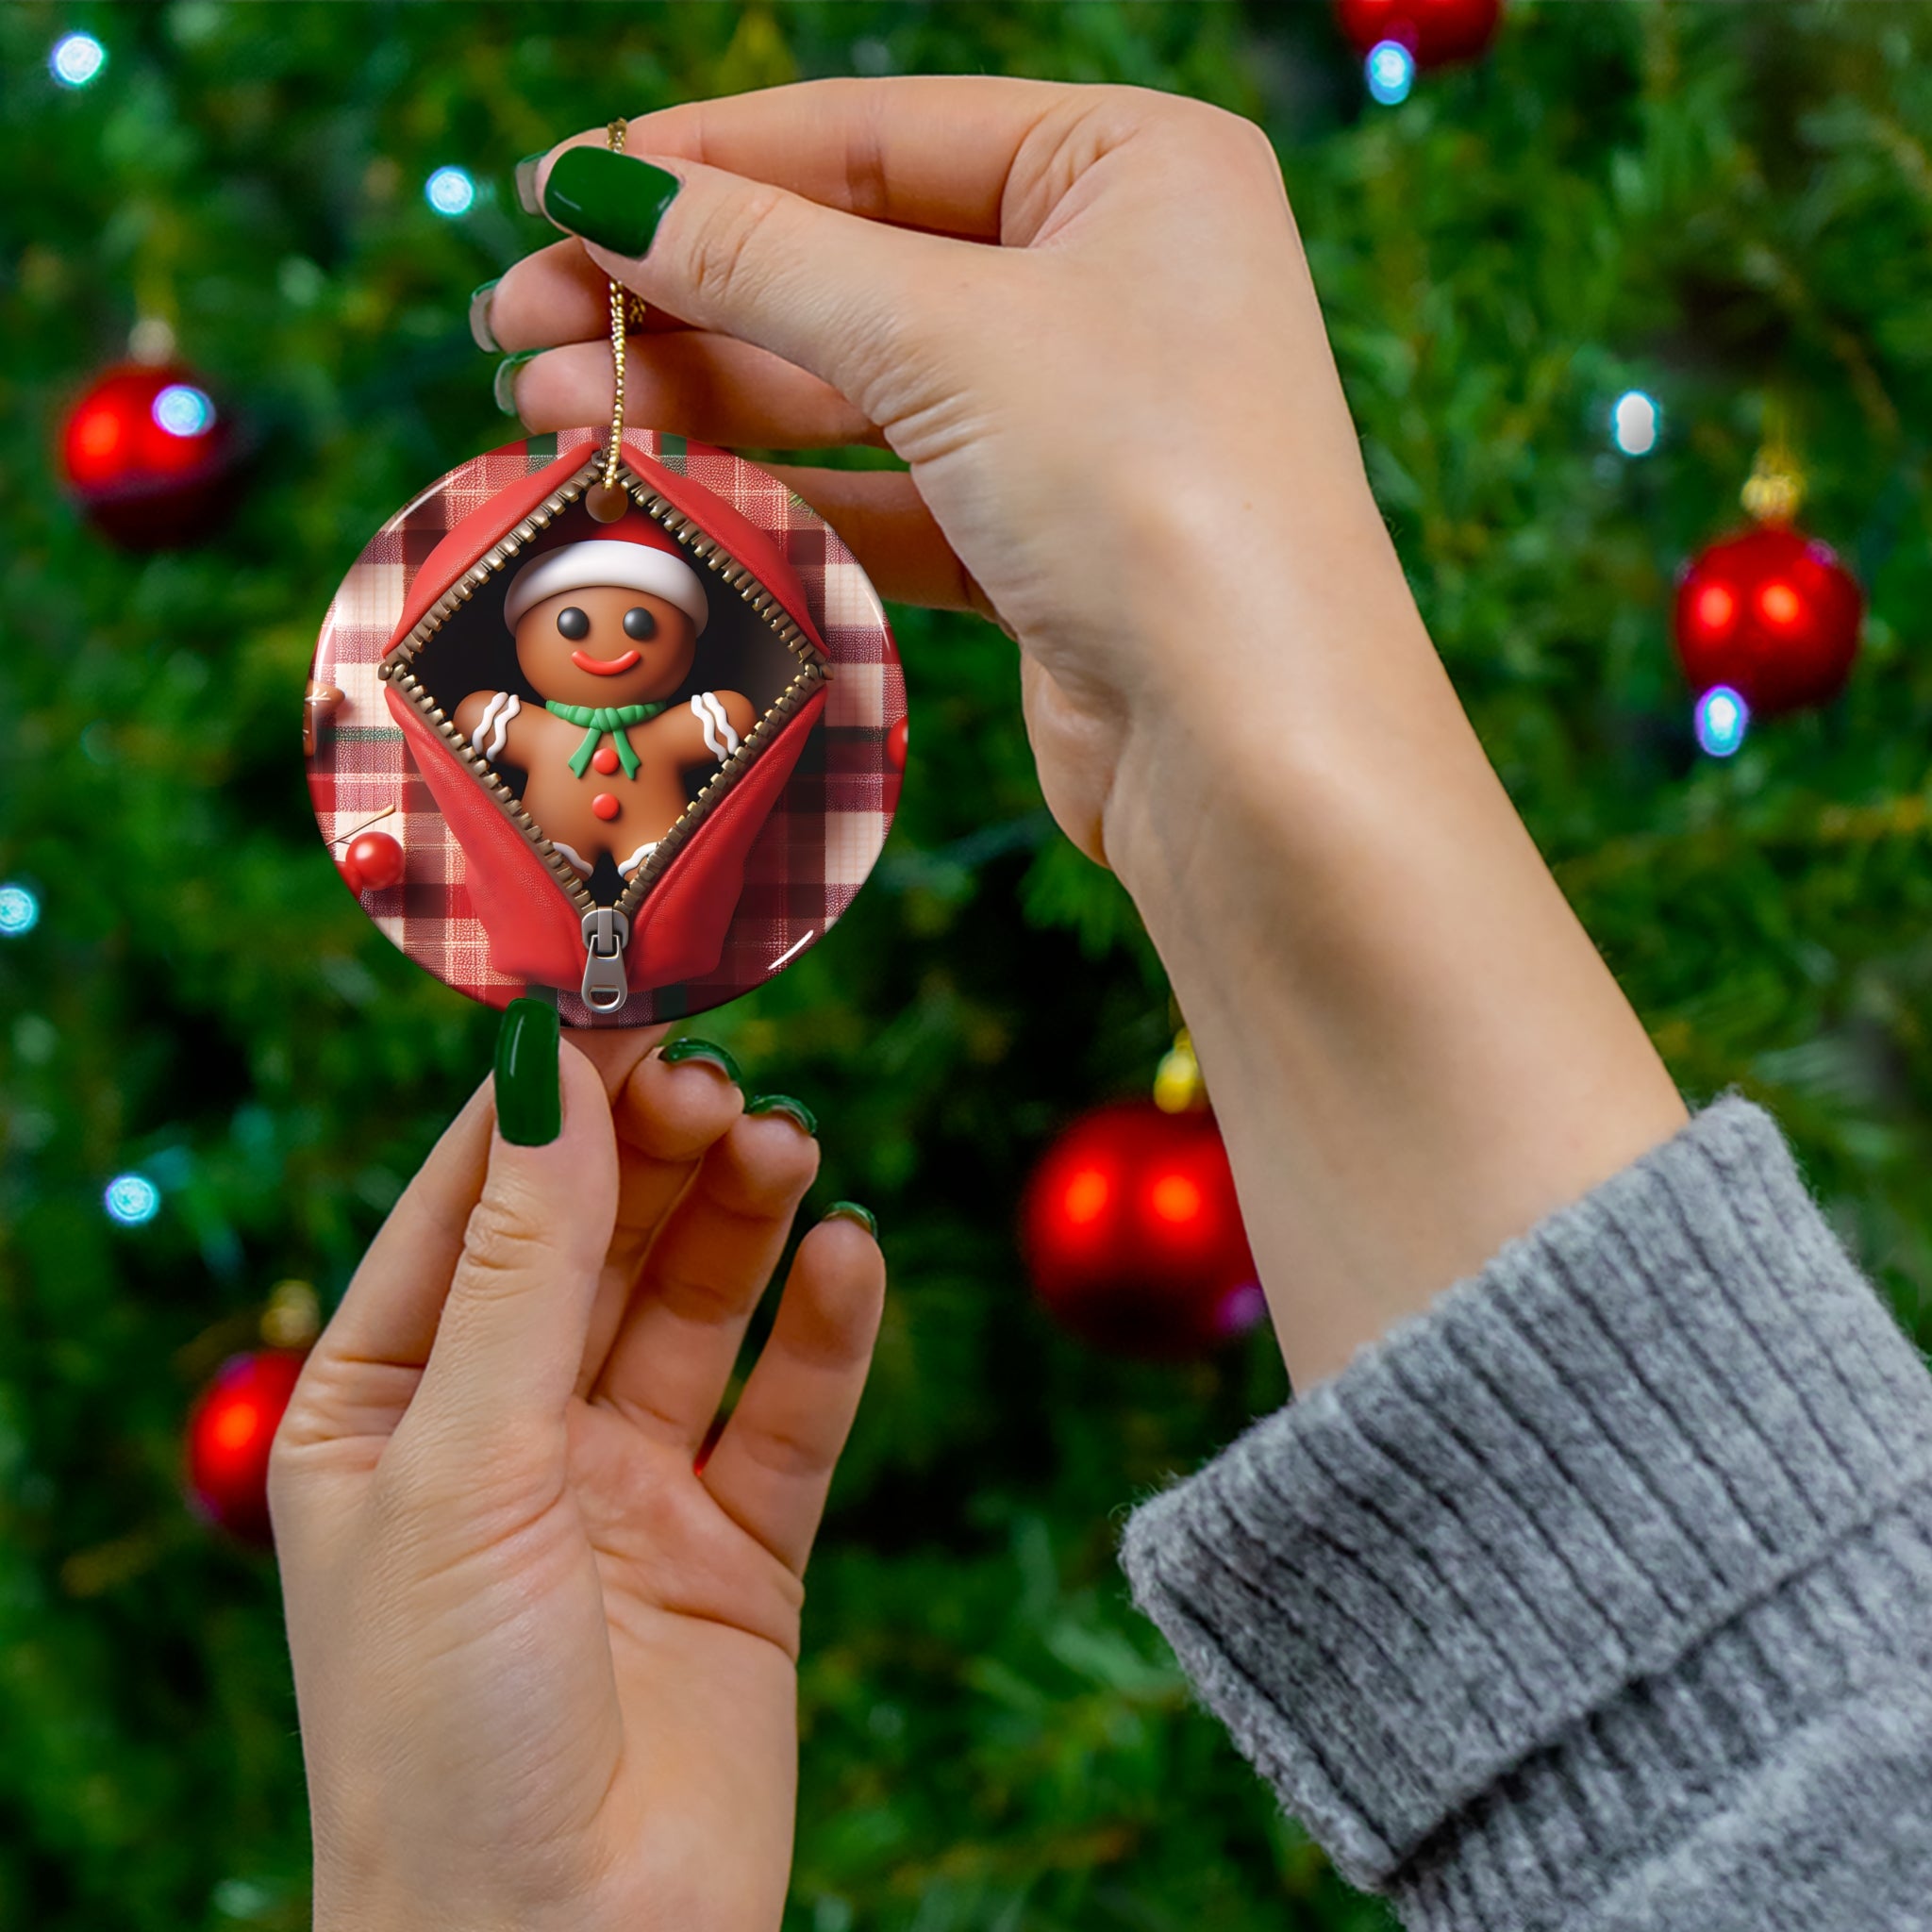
{"points": [[813, 853]]}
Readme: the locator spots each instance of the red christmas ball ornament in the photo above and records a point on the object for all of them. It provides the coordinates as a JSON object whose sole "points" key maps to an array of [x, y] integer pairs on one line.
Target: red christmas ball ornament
{"points": [[229, 1433], [148, 456], [373, 861], [1436, 32], [1772, 614], [1133, 1236]]}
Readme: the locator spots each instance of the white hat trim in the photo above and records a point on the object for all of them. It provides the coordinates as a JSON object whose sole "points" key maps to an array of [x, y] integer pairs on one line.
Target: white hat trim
{"points": [[585, 566]]}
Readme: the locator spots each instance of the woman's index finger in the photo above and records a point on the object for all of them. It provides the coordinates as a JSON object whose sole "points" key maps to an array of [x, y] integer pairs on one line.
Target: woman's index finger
{"points": [[918, 151]]}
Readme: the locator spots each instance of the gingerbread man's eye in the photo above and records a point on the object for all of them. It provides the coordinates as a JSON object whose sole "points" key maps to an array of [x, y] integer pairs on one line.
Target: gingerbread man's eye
{"points": [[639, 622], [573, 622]]}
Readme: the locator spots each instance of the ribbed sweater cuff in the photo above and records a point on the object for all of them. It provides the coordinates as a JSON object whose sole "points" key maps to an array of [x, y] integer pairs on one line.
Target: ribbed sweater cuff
{"points": [[1564, 1552]]}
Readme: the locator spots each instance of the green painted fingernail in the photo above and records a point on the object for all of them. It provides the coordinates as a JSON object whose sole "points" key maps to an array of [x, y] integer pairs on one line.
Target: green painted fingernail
{"points": [[851, 1210], [678, 1051], [480, 331], [529, 1095], [791, 1109], [505, 386], [526, 183], [609, 198]]}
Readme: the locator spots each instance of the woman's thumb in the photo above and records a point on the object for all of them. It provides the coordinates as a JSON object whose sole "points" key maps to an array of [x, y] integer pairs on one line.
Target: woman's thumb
{"points": [[511, 1340], [834, 293]]}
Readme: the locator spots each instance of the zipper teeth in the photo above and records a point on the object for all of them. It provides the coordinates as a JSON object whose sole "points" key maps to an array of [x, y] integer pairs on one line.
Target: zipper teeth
{"points": [[396, 669], [726, 566], [474, 762], [485, 567], [812, 671], [716, 786]]}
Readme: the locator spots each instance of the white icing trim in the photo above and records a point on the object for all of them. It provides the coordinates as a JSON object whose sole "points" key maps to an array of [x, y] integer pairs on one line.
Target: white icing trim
{"points": [[607, 560], [719, 739], [575, 857], [498, 714], [628, 866]]}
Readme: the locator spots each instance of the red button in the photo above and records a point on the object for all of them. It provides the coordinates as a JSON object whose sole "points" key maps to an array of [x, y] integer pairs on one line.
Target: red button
{"points": [[604, 759], [604, 806]]}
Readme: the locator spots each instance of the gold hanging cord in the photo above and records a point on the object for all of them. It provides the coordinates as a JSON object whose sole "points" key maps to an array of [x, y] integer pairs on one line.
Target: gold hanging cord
{"points": [[607, 499]]}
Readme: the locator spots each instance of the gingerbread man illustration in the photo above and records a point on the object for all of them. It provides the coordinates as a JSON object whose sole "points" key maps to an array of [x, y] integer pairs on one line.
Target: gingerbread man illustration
{"points": [[605, 631]]}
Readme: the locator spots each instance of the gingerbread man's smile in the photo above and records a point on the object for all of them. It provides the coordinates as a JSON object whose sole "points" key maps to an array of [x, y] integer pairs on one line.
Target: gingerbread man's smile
{"points": [[627, 591], [604, 667]]}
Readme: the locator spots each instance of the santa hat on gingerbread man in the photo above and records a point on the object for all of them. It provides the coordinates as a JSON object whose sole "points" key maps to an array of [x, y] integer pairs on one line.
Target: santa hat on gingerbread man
{"points": [[634, 553]]}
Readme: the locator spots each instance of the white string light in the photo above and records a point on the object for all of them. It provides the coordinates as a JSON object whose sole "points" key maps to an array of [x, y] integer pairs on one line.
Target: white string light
{"points": [[1636, 423], [1389, 71], [76, 60], [132, 1200], [20, 910], [450, 192], [1722, 719]]}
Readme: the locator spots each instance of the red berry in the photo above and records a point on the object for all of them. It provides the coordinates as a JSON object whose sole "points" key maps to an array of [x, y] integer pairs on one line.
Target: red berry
{"points": [[374, 861], [895, 741]]}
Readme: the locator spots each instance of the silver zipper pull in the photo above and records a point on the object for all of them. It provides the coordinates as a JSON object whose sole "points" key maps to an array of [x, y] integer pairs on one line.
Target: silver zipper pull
{"points": [[606, 932]]}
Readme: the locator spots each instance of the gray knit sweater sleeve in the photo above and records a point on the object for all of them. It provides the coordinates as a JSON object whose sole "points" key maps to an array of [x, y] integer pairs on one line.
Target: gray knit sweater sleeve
{"points": [[1600, 1595]]}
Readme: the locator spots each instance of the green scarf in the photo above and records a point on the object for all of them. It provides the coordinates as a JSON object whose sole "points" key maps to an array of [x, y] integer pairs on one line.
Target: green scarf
{"points": [[598, 721]]}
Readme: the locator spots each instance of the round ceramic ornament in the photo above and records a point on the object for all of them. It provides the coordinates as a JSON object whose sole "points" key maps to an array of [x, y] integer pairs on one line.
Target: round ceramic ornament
{"points": [[626, 707]]}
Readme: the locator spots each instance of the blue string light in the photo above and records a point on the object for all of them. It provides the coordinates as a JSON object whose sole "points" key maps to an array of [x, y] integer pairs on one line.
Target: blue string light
{"points": [[132, 1199], [1391, 73], [20, 911], [1635, 422], [182, 409], [450, 192], [1722, 719], [76, 60]]}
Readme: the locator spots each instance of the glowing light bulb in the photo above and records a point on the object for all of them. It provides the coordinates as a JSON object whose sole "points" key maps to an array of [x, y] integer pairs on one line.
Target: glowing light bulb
{"points": [[132, 1199], [1722, 719], [76, 60], [450, 192], [1175, 1199], [1716, 606], [1389, 71], [1085, 1200], [237, 1426], [182, 409], [1780, 603], [98, 434], [1635, 423], [20, 911]]}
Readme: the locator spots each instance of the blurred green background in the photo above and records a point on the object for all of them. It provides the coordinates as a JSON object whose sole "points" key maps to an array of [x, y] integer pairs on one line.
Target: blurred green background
{"points": [[1728, 207]]}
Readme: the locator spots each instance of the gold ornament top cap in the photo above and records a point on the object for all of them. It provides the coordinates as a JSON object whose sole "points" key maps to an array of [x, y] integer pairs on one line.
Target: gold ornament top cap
{"points": [[1177, 1084], [294, 1316], [1774, 491]]}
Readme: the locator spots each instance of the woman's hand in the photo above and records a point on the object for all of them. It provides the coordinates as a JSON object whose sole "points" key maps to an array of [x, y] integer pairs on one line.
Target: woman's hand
{"points": [[1083, 318], [545, 1668], [1131, 391]]}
